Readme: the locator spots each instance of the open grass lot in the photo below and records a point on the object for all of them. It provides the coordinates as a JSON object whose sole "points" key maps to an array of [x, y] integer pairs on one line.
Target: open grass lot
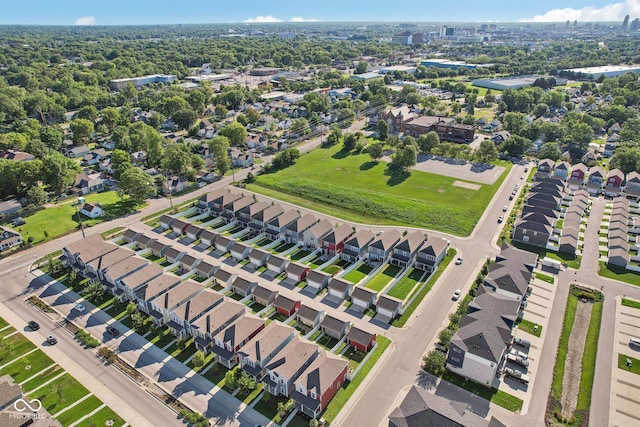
{"points": [[101, 417], [70, 390], [375, 193], [62, 218], [622, 363], [355, 275], [383, 278], [619, 273], [630, 303], [42, 378], [493, 395], [348, 388], [87, 406], [27, 366], [424, 290], [406, 284], [14, 347]]}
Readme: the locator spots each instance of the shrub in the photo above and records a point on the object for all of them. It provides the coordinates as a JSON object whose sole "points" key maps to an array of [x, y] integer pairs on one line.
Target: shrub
{"points": [[434, 362]]}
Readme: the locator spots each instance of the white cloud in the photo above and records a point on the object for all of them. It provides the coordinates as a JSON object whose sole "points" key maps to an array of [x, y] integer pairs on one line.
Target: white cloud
{"points": [[260, 19], [301, 19], [610, 12], [86, 20]]}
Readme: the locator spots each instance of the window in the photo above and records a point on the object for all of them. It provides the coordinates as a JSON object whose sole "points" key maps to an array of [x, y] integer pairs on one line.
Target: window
{"points": [[525, 238]]}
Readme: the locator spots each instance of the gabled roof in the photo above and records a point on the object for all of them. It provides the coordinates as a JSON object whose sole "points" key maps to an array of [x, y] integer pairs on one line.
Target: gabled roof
{"points": [[205, 267], [296, 269], [219, 316], [276, 261], [288, 361], [285, 219], [317, 276], [194, 229], [269, 213], [533, 226], [257, 253], [209, 236], [144, 275], [285, 303], [154, 287], [222, 275], [388, 303], [308, 313], [386, 240], [434, 246], [320, 229], [110, 258], [334, 324], [322, 372], [411, 242], [254, 208], [483, 334], [302, 223], [510, 252], [260, 346], [509, 275], [126, 266], [339, 234], [199, 304], [239, 247], [240, 330], [360, 336], [339, 284], [143, 240], [243, 284], [178, 293], [362, 293], [264, 293], [239, 204], [360, 239]]}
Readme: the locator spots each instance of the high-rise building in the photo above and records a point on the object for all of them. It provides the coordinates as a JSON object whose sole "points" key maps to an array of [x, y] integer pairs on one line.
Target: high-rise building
{"points": [[625, 23], [635, 25]]}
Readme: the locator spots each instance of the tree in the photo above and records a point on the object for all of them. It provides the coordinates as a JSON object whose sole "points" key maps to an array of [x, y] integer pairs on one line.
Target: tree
{"points": [[626, 158], [171, 105], [300, 126], [184, 118], [121, 162], [236, 133], [221, 112], [198, 359], [110, 116], [52, 136], [549, 150], [82, 130], [230, 380], [487, 151], [350, 140], [434, 362], [94, 290], [176, 158], [405, 157], [36, 196], [361, 68], [219, 146], [252, 115], [376, 151], [383, 130], [286, 158], [515, 122], [88, 112], [137, 184], [137, 319], [58, 171], [428, 141], [246, 383], [197, 162], [516, 145], [334, 137], [154, 145]]}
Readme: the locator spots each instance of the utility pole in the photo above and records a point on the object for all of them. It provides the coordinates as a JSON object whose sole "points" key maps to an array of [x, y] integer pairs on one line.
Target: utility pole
{"points": [[80, 200]]}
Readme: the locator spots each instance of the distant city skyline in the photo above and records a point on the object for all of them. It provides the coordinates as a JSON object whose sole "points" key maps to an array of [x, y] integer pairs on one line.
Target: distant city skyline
{"points": [[146, 12]]}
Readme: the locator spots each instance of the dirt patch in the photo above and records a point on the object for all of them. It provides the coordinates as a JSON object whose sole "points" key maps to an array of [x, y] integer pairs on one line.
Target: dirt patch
{"points": [[573, 364], [467, 185]]}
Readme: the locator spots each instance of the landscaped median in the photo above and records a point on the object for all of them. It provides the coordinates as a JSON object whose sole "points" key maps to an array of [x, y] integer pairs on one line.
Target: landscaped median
{"points": [[570, 397]]}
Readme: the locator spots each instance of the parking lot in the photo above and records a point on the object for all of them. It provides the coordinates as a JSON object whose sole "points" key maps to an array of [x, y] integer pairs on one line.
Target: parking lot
{"points": [[625, 388], [537, 312]]}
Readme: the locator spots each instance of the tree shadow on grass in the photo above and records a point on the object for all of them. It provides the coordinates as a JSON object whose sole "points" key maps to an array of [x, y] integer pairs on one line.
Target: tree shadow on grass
{"points": [[368, 165], [396, 175], [343, 153]]}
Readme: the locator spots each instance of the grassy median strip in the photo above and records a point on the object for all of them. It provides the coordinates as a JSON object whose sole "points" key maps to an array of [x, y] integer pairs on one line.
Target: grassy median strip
{"points": [[530, 327], [545, 278], [630, 303], [622, 363], [347, 390]]}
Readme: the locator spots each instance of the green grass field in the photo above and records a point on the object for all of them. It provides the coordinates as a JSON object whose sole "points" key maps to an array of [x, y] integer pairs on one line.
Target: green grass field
{"points": [[630, 303], [383, 278], [406, 284], [619, 273], [358, 274], [62, 218], [545, 278], [27, 366], [377, 194], [622, 363]]}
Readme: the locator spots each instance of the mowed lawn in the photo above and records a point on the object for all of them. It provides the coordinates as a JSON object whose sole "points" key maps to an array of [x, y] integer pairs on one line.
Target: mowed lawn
{"points": [[355, 188], [62, 218]]}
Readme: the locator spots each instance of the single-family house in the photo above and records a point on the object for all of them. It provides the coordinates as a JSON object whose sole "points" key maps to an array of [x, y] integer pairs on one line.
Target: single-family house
{"points": [[207, 238], [77, 152], [143, 241], [259, 350], [174, 184], [263, 295], [277, 264], [224, 278], [193, 231], [205, 270], [9, 238], [595, 180], [158, 248], [287, 365], [239, 251], [286, 306], [173, 255], [339, 288], [223, 244], [362, 298], [316, 385], [188, 262], [632, 186], [297, 272], [243, 286], [404, 253], [294, 232], [228, 342], [92, 210], [388, 306], [313, 236], [613, 184], [334, 327], [310, 317], [333, 242], [179, 226], [276, 228], [431, 254], [16, 156], [258, 257], [215, 320], [576, 179], [9, 207], [206, 201], [182, 317], [88, 183], [618, 256], [129, 235], [317, 280], [561, 170], [545, 169], [532, 233], [360, 340], [356, 246], [161, 306], [166, 221], [380, 249]]}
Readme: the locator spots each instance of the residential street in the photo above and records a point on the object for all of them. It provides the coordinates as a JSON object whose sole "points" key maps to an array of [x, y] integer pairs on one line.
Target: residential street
{"points": [[397, 369]]}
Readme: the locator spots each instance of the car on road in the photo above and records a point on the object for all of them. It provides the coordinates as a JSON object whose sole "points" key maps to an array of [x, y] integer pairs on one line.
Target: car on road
{"points": [[511, 197], [521, 176], [500, 219], [459, 260], [113, 331], [505, 208], [80, 308], [526, 169], [33, 325], [52, 340], [456, 294]]}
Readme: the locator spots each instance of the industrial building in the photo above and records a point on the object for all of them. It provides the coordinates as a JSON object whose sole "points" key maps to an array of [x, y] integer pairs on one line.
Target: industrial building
{"points": [[453, 65], [605, 70], [516, 82], [119, 84]]}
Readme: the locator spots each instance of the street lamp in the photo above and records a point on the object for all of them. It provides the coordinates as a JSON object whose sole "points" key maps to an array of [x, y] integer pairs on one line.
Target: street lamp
{"points": [[80, 200]]}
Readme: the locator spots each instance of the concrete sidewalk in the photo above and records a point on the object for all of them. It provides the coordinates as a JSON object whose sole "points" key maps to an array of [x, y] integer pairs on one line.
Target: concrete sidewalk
{"points": [[172, 376]]}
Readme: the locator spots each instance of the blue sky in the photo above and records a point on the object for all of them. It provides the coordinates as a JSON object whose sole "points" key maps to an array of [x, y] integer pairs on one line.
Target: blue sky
{"points": [[120, 12]]}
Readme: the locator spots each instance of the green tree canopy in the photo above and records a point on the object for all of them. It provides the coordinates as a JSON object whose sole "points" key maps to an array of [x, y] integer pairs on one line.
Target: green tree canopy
{"points": [[137, 184], [236, 133]]}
